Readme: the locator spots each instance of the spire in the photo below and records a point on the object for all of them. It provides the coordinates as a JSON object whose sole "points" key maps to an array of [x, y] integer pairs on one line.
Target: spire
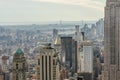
{"points": [[57, 41]]}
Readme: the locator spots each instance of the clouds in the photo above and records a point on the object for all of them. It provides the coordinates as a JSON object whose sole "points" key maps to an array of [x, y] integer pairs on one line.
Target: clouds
{"points": [[50, 10], [96, 4]]}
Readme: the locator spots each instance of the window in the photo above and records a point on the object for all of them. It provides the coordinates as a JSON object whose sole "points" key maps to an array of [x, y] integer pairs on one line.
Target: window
{"points": [[16, 66], [23, 65], [38, 61]]}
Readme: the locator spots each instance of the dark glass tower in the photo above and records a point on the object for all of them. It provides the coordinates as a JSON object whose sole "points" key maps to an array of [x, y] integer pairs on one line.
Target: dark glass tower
{"points": [[66, 44]]}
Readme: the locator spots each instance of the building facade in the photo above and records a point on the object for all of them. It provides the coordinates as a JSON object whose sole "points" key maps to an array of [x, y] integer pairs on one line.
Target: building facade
{"points": [[47, 64], [74, 56], [86, 57], [19, 66], [55, 34], [112, 40], [66, 45]]}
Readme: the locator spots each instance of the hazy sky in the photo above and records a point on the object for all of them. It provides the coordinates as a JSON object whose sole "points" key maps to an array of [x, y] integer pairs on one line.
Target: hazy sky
{"points": [[50, 10]]}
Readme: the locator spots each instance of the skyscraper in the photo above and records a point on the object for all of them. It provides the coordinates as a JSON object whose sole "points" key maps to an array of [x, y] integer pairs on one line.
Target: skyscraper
{"points": [[55, 34], [66, 44], [86, 60], [77, 34], [112, 40], [57, 44], [74, 56], [19, 66], [47, 63], [87, 57]]}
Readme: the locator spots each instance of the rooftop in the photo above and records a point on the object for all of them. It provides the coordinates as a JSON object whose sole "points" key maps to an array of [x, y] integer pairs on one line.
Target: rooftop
{"points": [[19, 51]]}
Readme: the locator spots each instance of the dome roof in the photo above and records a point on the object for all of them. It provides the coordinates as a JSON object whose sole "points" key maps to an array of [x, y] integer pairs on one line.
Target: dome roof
{"points": [[19, 51]]}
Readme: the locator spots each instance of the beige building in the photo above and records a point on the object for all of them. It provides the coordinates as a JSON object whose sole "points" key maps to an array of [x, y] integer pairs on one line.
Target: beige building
{"points": [[86, 57], [19, 66], [112, 40], [47, 64]]}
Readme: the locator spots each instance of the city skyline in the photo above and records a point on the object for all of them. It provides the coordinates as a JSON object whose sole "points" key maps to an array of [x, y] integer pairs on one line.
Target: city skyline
{"points": [[50, 10], [59, 40]]}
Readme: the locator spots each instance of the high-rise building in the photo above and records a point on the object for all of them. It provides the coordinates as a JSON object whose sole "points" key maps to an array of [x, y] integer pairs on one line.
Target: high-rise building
{"points": [[5, 60], [47, 64], [100, 27], [5, 63], [112, 40], [74, 56], [57, 44], [19, 66], [55, 34], [77, 34], [86, 57], [82, 36], [79, 37], [66, 45]]}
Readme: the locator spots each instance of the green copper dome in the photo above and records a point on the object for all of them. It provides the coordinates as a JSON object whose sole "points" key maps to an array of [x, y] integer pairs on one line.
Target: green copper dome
{"points": [[19, 51]]}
